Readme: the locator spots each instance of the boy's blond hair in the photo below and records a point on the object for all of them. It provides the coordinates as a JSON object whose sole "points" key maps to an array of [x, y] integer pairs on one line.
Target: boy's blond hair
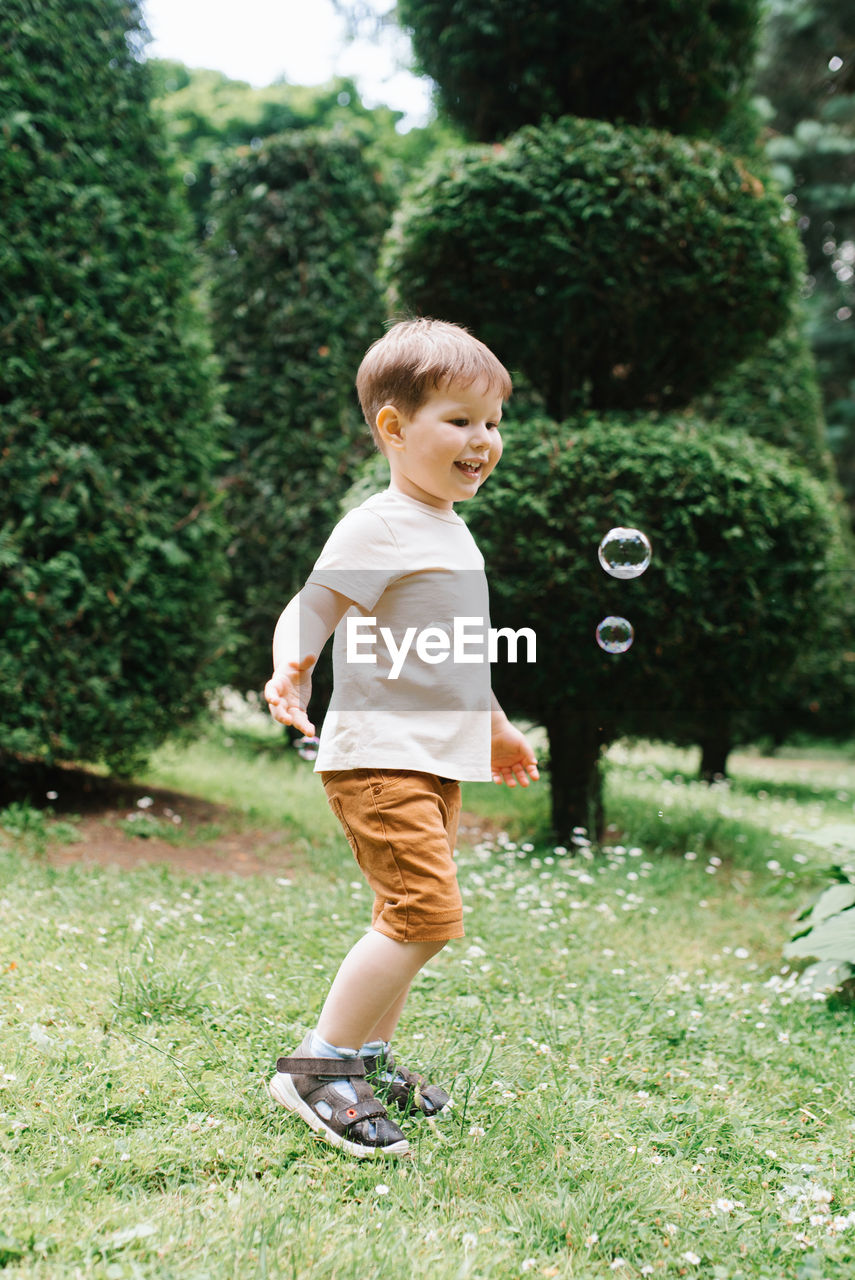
{"points": [[415, 357]]}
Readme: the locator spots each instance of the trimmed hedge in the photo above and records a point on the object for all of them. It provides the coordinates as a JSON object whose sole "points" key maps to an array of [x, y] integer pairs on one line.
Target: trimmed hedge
{"points": [[501, 64], [737, 608], [616, 268], [108, 421], [774, 395], [295, 303]]}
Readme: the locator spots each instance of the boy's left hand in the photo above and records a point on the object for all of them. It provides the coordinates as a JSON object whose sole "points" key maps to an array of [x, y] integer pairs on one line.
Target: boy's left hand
{"points": [[512, 759]]}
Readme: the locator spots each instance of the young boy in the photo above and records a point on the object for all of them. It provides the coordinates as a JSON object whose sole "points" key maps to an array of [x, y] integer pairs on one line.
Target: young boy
{"points": [[400, 573]]}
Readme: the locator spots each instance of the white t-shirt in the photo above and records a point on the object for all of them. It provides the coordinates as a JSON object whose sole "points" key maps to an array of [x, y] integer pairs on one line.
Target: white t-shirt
{"points": [[424, 703]]}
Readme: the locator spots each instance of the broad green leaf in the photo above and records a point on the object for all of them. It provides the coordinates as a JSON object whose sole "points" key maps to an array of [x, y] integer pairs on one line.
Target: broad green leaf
{"points": [[832, 939]]}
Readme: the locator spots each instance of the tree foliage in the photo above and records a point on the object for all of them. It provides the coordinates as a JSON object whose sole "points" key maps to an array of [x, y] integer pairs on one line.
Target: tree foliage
{"points": [[501, 64], [624, 270], [108, 548], [207, 115], [774, 396], [748, 568], [807, 75], [295, 302], [615, 267]]}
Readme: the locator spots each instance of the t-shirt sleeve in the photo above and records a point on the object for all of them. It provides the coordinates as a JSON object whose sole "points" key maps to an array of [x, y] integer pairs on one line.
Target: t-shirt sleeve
{"points": [[360, 559]]}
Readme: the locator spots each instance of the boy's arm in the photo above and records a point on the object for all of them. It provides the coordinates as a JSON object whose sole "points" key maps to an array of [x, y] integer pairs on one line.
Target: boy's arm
{"points": [[513, 760], [304, 627]]}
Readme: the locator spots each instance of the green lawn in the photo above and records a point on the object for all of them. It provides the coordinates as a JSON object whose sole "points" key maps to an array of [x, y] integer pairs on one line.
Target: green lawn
{"points": [[637, 1089]]}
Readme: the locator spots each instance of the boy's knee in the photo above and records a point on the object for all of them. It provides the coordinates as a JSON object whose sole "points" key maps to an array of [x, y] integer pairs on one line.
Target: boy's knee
{"points": [[426, 949], [434, 948]]}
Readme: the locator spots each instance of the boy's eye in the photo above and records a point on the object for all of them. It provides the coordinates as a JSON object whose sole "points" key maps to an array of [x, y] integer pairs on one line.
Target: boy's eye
{"points": [[464, 422]]}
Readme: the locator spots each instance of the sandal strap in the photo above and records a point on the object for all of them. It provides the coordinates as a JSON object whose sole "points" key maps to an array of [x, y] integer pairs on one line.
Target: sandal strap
{"points": [[386, 1062], [317, 1086], [411, 1078], [350, 1113], [335, 1068], [407, 1088]]}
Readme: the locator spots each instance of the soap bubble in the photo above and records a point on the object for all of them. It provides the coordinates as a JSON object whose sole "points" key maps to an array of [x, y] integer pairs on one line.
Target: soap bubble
{"points": [[624, 553], [615, 635], [307, 748]]}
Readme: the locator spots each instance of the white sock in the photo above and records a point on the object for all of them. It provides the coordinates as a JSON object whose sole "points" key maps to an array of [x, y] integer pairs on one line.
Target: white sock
{"points": [[321, 1048], [372, 1048]]}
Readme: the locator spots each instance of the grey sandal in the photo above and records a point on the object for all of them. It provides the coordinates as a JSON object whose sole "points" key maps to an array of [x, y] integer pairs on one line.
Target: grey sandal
{"points": [[361, 1128], [407, 1089]]}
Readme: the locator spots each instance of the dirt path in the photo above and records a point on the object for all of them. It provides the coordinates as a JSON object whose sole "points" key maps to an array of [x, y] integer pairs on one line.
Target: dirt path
{"points": [[180, 831]]}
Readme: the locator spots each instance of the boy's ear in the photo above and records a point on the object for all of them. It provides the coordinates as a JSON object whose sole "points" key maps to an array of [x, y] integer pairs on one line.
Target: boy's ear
{"points": [[390, 427]]}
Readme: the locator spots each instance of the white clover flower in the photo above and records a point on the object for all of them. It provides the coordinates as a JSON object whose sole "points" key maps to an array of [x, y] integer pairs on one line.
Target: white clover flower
{"points": [[691, 1258], [528, 1264], [381, 1189]]}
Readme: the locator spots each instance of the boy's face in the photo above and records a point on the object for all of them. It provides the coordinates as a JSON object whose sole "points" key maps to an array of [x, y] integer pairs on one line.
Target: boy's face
{"points": [[444, 451]]}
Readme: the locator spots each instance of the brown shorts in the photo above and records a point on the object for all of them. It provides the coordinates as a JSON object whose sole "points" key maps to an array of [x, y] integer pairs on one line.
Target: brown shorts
{"points": [[402, 827]]}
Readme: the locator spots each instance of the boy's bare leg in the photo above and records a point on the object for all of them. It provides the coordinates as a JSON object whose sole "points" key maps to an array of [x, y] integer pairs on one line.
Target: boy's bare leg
{"points": [[370, 989], [385, 1028]]}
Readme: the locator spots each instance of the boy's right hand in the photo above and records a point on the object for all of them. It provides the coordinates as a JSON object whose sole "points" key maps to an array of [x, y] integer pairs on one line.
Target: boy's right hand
{"points": [[287, 693]]}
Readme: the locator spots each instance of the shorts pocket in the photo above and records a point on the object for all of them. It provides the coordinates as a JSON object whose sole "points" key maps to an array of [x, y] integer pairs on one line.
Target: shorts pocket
{"points": [[335, 805]]}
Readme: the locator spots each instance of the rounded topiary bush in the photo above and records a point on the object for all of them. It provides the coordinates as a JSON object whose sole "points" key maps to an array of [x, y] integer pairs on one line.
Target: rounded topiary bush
{"points": [[109, 552], [747, 553], [774, 395], [501, 64], [618, 268]]}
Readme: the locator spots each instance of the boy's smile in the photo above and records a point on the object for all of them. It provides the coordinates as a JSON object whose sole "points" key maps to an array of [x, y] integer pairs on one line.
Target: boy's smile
{"points": [[442, 452]]}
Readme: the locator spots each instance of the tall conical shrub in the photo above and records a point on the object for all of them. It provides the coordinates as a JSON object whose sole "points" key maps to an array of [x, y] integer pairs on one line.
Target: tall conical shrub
{"points": [[108, 545]]}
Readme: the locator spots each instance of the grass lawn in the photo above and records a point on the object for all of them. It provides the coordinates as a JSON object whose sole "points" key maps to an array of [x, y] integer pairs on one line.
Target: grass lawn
{"points": [[637, 1089]]}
